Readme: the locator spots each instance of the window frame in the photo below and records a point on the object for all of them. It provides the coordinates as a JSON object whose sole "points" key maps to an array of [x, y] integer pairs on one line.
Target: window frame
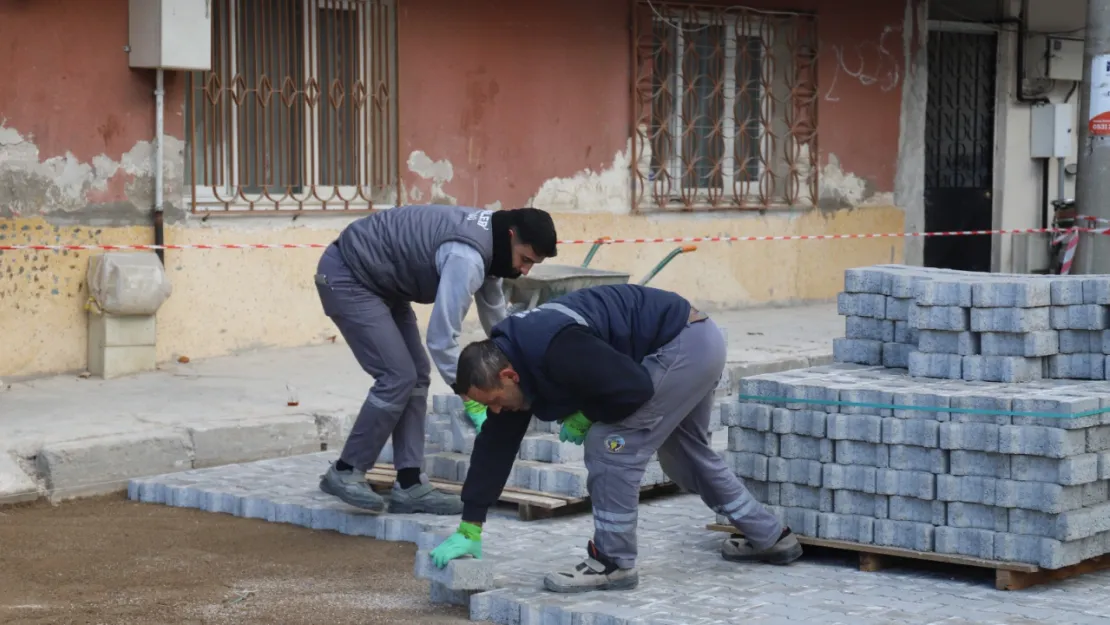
{"points": [[752, 27], [229, 196]]}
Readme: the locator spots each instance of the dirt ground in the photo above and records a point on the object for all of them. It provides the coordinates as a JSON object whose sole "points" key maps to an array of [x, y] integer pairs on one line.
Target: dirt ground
{"points": [[111, 561]]}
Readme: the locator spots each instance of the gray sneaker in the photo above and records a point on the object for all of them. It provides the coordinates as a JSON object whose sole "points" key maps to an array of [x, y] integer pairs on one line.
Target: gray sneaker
{"points": [[351, 486], [423, 498], [596, 572], [785, 551]]}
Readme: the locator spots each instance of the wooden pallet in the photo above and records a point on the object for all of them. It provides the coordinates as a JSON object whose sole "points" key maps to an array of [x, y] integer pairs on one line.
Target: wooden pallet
{"points": [[1007, 575], [530, 505]]}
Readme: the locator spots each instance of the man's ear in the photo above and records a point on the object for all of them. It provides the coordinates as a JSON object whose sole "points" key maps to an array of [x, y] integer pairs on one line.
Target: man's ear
{"points": [[508, 374]]}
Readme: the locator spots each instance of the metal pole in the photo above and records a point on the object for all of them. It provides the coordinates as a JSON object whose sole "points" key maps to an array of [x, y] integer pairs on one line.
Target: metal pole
{"points": [[1092, 185]]}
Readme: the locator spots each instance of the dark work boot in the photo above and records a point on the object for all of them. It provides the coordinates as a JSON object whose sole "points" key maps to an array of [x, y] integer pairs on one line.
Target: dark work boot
{"points": [[596, 572], [786, 550], [351, 486]]}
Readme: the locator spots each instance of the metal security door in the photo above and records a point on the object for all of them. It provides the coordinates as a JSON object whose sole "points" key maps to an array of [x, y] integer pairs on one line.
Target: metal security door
{"points": [[959, 148]]}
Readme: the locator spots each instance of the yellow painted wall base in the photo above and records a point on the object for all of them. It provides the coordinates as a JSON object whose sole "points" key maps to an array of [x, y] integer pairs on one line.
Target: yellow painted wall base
{"points": [[229, 300]]}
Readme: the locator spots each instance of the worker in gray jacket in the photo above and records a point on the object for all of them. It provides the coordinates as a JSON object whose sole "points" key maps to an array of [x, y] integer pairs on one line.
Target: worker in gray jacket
{"points": [[368, 280]]}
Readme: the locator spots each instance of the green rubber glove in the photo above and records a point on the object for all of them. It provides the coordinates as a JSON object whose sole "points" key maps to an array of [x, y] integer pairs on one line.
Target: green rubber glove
{"points": [[466, 541], [575, 428], [476, 412]]}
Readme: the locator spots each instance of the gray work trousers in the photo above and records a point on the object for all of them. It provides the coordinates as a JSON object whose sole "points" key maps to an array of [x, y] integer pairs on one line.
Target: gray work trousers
{"points": [[385, 340], [674, 422]]}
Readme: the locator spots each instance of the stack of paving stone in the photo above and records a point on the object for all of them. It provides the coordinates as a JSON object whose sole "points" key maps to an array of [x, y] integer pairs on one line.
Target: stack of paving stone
{"points": [[871, 455], [940, 323], [544, 464]]}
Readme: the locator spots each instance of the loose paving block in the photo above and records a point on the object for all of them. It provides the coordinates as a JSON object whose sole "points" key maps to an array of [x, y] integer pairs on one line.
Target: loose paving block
{"points": [[801, 422], [1082, 317], [896, 355], [911, 458], [1051, 498], [1002, 368], [905, 333], [1011, 319], [921, 405], [1077, 366], [918, 510], [749, 416], [807, 497], [748, 465], [806, 447], [969, 436], [1016, 294], [860, 453], [459, 574], [916, 432], [967, 489], [976, 516], [795, 471], [861, 305], [947, 342], [1066, 292], [1032, 440], [438, 593], [979, 463], [898, 308], [855, 427], [103, 464], [949, 318], [1081, 341], [1067, 526], [1031, 344], [858, 351], [904, 534], [853, 528], [848, 477], [965, 541], [743, 439], [861, 504], [922, 365], [916, 484], [943, 293], [869, 329]]}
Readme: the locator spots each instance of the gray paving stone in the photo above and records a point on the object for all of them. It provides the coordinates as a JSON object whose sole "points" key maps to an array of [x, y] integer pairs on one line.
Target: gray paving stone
{"points": [[806, 497], [1065, 292], [965, 541], [459, 574], [867, 428], [898, 308], [904, 534], [860, 504], [977, 516], [979, 463], [796, 471], [916, 484], [1098, 438], [1011, 294], [869, 329], [912, 458], [860, 453], [861, 305], [868, 400], [946, 342], [743, 439], [1011, 319], [969, 436], [806, 447], [1032, 440], [921, 405], [1061, 403], [968, 489], [848, 477], [1003, 368], [948, 318], [1064, 527], [917, 432], [1077, 366], [800, 422], [683, 578], [749, 416], [1081, 317], [748, 465], [988, 405], [1051, 498], [922, 365], [1031, 344], [918, 510], [897, 355], [834, 526], [905, 333], [1080, 341], [943, 293], [865, 280]]}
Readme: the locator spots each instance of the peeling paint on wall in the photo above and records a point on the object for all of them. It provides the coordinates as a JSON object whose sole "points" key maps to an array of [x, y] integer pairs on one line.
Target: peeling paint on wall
{"points": [[605, 191], [438, 172], [841, 189], [65, 189]]}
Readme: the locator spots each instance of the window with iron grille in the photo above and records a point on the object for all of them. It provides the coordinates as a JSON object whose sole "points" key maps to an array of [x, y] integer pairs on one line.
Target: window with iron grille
{"points": [[298, 111], [725, 108]]}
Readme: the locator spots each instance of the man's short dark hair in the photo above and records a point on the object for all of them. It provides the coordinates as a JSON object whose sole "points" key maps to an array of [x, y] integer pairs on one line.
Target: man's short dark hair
{"points": [[536, 228], [480, 366]]}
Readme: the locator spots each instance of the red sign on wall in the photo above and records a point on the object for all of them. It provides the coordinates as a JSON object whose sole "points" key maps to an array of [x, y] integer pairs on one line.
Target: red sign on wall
{"points": [[1099, 123]]}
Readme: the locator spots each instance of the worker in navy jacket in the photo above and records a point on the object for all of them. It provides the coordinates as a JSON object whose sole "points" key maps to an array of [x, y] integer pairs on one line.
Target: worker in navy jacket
{"points": [[628, 371]]}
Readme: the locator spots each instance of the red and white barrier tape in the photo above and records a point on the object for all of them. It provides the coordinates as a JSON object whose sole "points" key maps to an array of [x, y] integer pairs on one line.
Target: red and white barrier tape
{"points": [[796, 237]]}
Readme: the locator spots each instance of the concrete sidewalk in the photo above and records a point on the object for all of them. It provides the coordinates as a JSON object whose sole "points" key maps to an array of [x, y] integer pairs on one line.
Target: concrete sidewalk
{"points": [[67, 437]]}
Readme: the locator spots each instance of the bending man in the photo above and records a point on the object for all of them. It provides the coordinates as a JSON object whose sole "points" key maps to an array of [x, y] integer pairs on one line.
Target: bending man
{"points": [[368, 280], [629, 371]]}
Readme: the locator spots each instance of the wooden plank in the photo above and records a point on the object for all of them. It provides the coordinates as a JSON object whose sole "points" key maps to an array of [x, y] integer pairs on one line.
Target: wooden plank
{"points": [[1019, 580], [898, 552]]}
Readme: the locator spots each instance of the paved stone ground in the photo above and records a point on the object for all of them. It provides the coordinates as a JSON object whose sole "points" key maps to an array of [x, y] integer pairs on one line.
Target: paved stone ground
{"points": [[87, 426], [683, 579]]}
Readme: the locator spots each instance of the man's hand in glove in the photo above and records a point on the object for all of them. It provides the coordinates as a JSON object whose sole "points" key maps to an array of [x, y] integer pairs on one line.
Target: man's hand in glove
{"points": [[476, 413], [466, 541], [575, 428]]}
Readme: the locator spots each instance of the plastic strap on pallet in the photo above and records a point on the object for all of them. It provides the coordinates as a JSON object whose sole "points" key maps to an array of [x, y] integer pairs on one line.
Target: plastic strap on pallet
{"points": [[767, 399]]}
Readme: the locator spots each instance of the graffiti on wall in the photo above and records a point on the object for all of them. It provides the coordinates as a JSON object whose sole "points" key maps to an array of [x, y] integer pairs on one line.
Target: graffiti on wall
{"points": [[871, 63]]}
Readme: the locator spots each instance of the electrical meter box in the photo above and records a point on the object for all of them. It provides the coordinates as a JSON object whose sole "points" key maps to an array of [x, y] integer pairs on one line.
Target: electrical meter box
{"points": [[171, 34], [1051, 132], [1064, 59]]}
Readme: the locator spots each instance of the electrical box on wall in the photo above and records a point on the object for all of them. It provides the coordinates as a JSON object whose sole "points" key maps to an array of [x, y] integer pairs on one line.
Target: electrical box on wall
{"points": [[1064, 59], [1051, 132], [170, 34]]}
